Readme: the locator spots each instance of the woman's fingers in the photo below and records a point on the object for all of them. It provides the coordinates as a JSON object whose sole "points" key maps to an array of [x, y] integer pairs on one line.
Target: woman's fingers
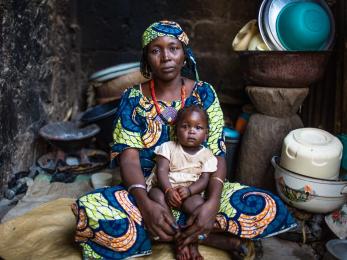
{"points": [[194, 229], [164, 228], [158, 231], [170, 220]]}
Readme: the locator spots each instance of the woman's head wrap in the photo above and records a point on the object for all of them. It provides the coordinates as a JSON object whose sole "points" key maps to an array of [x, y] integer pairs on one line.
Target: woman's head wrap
{"points": [[170, 29]]}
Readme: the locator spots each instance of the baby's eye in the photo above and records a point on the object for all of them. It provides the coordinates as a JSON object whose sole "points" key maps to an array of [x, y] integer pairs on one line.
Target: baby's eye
{"points": [[199, 127]]}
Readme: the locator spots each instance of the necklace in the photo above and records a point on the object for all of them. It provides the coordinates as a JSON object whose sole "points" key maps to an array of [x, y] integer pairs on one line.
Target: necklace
{"points": [[169, 114]]}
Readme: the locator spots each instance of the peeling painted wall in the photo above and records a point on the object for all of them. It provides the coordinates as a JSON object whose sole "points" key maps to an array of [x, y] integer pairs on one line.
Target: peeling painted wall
{"points": [[39, 76]]}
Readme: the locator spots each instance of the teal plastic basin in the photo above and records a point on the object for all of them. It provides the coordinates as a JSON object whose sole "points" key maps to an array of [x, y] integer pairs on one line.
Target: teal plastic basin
{"points": [[343, 139], [303, 26]]}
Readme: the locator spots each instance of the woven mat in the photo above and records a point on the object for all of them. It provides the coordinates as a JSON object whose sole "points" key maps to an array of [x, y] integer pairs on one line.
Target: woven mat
{"points": [[47, 232]]}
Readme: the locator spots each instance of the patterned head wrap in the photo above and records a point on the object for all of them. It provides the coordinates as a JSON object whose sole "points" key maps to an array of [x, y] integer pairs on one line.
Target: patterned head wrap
{"points": [[170, 29]]}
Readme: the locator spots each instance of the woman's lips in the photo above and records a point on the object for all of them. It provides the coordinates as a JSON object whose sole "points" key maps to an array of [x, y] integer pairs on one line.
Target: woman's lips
{"points": [[168, 69]]}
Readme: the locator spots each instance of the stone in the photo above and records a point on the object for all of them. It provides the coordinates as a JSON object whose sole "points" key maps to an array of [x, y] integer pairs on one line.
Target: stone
{"points": [[277, 102]]}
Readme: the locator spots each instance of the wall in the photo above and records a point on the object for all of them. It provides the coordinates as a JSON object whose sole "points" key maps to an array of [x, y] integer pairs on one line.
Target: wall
{"points": [[39, 76], [112, 29]]}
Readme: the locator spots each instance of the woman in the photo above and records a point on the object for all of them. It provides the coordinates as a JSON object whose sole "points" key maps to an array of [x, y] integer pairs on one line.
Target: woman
{"points": [[119, 222]]}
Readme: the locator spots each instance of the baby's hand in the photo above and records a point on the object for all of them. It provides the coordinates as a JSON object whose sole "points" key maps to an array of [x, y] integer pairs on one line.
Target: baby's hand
{"points": [[173, 198], [184, 192]]}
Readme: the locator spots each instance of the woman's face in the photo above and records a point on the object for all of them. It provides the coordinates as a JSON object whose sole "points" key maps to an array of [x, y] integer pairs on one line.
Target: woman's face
{"points": [[192, 129], [165, 57]]}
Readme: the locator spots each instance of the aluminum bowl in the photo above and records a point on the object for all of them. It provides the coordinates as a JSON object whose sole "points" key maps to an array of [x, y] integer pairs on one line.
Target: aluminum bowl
{"points": [[267, 20], [283, 68]]}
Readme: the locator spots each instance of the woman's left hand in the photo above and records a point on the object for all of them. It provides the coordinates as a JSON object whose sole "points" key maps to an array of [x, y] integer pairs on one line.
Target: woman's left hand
{"points": [[199, 223]]}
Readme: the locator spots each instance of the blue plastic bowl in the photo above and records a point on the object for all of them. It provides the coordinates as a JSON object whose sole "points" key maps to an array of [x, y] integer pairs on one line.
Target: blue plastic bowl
{"points": [[303, 26]]}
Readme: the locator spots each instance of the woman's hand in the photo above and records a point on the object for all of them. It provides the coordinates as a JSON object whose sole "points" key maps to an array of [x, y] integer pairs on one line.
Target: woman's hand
{"points": [[173, 198], [199, 223], [158, 221], [183, 192]]}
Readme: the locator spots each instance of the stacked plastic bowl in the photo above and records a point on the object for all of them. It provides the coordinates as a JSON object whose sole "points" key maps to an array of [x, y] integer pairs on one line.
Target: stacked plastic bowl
{"points": [[296, 25]]}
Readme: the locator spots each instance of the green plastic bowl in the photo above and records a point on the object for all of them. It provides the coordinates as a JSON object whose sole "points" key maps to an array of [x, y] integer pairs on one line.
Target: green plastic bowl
{"points": [[303, 26]]}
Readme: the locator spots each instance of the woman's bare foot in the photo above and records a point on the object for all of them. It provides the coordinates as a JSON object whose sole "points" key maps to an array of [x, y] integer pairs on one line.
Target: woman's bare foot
{"points": [[183, 253], [194, 252]]}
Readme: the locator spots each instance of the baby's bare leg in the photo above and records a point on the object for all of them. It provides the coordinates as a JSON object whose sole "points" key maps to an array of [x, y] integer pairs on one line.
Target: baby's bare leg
{"points": [[188, 206], [192, 203], [158, 196]]}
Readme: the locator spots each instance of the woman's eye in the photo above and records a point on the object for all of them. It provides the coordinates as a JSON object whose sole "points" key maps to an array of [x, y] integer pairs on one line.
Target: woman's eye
{"points": [[155, 51], [174, 48]]}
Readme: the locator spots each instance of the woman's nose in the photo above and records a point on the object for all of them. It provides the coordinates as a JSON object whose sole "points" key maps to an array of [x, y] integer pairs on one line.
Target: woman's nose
{"points": [[165, 55]]}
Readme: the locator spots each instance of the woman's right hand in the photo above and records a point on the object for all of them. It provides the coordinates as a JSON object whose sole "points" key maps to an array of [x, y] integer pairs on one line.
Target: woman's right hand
{"points": [[158, 221]]}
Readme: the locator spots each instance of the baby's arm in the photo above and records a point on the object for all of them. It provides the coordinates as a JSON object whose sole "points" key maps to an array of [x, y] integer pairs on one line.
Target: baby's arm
{"points": [[171, 195], [196, 188]]}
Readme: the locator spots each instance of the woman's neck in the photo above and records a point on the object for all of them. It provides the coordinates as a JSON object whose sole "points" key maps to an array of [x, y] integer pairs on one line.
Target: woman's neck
{"points": [[168, 90]]}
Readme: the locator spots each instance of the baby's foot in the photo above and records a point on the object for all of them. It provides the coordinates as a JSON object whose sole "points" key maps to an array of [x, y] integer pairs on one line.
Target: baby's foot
{"points": [[194, 252], [183, 253]]}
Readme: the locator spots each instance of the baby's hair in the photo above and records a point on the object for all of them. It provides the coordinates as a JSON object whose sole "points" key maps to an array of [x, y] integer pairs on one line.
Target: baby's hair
{"points": [[191, 108]]}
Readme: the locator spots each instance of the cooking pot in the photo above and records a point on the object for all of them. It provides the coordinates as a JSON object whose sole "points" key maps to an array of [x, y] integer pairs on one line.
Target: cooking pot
{"points": [[312, 152], [309, 194]]}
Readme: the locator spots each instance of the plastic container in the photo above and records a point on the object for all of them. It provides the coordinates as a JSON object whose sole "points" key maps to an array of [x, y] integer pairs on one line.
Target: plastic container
{"points": [[336, 249], [232, 139], [343, 139], [303, 26], [312, 152], [241, 122], [103, 116]]}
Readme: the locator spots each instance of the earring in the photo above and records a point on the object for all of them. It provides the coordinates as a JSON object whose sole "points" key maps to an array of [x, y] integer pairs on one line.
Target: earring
{"points": [[184, 63]]}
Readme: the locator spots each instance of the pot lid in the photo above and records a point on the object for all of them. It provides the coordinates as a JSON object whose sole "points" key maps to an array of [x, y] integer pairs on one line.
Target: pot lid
{"points": [[312, 137]]}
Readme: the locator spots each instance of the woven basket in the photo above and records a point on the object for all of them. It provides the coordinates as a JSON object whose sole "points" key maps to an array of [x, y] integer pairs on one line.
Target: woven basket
{"points": [[107, 91]]}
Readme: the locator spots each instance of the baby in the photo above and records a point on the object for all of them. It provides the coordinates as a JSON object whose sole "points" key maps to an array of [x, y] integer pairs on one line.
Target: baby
{"points": [[183, 169]]}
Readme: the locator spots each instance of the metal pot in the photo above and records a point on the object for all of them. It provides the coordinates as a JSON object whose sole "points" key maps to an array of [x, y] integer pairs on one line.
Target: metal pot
{"points": [[309, 194], [283, 68], [69, 136]]}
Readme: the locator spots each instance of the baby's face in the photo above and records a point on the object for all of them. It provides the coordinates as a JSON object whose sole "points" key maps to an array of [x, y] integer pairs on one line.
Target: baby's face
{"points": [[192, 129]]}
